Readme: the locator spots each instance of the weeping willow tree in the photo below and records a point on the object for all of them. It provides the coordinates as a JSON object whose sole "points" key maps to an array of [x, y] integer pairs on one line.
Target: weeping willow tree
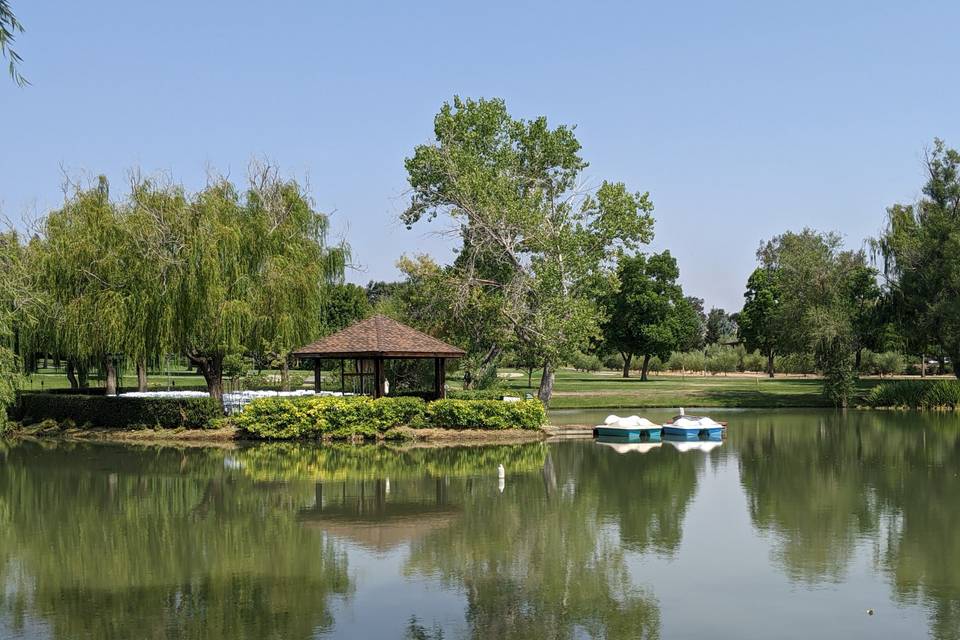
{"points": [[14, 298], [81, 264], [150, 219], [252, 270]]}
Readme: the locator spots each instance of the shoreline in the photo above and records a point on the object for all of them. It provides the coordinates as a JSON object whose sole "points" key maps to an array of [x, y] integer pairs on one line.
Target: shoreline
{"points": [[232, 436]]}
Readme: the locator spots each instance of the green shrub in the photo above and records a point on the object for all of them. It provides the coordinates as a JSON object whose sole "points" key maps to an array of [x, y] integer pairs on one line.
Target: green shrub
{"points": [[477, 394], [722, 359], [890, 363], [754, 361], [613, 361], [586, 362], [346, 417], [337, 417], [916, 394], [693, 361], [118, 413], [486, 414]]}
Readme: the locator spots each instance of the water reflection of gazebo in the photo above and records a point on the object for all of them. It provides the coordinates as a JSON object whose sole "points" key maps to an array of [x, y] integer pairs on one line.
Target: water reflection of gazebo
{"points": [[376, 516], [372, 341]]}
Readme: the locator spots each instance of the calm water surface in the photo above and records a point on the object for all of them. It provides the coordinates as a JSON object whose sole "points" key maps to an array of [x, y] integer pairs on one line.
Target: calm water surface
{"points": [[793, 528]]}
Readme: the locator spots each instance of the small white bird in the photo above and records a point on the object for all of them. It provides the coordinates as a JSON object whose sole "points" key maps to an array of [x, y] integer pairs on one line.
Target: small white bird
{"points": [[501, 472]]}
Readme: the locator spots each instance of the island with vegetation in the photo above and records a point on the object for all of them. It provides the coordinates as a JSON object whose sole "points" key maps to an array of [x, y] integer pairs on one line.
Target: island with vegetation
{"points": [[551, 296]]}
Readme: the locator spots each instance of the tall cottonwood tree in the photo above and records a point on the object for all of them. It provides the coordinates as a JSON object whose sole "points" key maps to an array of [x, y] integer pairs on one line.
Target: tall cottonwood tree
{"points": [[530, 231]]}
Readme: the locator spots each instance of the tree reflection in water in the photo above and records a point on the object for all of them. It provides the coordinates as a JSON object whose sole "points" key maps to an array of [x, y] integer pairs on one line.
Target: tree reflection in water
{"points": [[821, 484], [117, 542]]}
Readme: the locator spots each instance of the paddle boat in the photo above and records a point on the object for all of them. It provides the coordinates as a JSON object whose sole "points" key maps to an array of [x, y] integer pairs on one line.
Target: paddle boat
{"points": [[693, 427], [631, 428], [623, 445]]}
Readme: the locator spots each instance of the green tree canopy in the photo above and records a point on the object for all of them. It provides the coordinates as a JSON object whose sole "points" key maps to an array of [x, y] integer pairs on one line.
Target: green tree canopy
{"points": [[529, 229], [758, 326], [921, 254], [720, 326], [251, 272], [647, 314]]}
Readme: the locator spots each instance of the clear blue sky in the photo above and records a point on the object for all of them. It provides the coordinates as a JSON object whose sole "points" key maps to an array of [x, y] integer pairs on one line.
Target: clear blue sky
{"points": [[743, 119]]}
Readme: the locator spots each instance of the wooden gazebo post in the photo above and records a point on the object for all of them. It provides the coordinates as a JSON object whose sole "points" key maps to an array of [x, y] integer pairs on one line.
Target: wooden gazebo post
{"points": [[379, 376], [439, 378]]}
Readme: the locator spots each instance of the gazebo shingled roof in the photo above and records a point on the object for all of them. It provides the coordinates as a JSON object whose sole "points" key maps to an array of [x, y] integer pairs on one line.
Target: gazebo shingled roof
{"points": [[379, 336]]}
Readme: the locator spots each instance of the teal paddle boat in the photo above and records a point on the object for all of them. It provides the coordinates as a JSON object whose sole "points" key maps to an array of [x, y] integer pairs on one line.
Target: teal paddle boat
{"points": [[631, 428], [687, 427]]}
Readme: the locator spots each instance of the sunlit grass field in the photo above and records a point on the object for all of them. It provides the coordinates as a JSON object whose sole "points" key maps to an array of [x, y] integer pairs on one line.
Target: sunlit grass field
{"points": [[574, 389]]}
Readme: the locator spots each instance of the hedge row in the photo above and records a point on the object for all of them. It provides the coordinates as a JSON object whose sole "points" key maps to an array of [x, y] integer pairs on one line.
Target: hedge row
{"points": [[916, 394], [118, 413], [338, 417]]}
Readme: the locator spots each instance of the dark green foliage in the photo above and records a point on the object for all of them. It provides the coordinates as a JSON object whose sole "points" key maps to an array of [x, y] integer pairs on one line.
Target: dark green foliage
{"points": [[477, 394], [343, 305], [916, 394], [117, 413], [362, 416], [758, 327], [486, 414], [647, 314], [720, 325], [921, 255]]}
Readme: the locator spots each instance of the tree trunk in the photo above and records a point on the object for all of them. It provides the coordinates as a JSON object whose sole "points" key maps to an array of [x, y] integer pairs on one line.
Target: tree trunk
{"points": [[646, 367], [211, 367], [141, 375], [627, 359], [83, 376], [941, 364], [546, 385], [285, 374], [858, 358], [72, 375], [110, 375], [923, 365], [770, 364], [529, 377]]}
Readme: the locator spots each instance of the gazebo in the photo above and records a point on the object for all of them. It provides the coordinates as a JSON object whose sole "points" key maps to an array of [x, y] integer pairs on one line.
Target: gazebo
{"points": [[372, 341]]}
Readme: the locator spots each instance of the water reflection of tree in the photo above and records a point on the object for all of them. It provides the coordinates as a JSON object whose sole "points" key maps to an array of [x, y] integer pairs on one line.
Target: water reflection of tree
{"points": [[646, 496], [538, 560], [107, 542], [821, 483]]}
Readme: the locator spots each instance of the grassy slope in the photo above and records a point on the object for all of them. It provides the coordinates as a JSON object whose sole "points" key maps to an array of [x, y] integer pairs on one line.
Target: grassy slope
{"points": [[604, 390]]}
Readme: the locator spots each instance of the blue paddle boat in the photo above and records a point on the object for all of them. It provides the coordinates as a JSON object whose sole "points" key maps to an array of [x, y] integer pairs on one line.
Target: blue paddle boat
{"points": [[633, 428], [686, 427]]}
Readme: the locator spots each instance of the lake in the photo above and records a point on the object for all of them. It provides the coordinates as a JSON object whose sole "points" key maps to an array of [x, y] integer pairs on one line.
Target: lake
{"points": [[794, 527]]}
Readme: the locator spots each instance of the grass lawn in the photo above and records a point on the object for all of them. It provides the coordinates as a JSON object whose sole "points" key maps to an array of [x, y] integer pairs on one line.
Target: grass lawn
{"points": [[603, 390], [179, 378]]}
